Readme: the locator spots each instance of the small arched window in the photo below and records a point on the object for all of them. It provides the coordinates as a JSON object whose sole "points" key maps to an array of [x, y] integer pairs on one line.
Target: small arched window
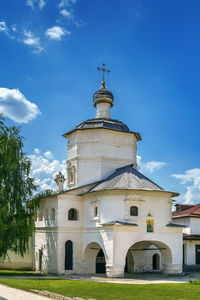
{"points": [[53, 214], [72, 175], [72, 214], [133, 211]]}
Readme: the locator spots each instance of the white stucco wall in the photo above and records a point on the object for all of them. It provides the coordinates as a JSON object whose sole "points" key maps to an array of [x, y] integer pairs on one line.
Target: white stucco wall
{"points": [[16, 261], [185, 222], [46, 236], [195, 226], [190, 252], [100, 152], [115, 206], [115, 241]]}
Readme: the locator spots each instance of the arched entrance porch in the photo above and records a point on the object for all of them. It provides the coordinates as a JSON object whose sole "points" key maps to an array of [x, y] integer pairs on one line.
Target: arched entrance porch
{"points": [[147, 256], [94, 259]]}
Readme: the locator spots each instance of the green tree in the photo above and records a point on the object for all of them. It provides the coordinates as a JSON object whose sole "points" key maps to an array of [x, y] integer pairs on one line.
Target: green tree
{"points": [[16, 190]]}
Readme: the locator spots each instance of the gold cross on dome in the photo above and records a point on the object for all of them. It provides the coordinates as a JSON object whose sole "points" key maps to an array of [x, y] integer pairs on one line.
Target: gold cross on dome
{"points": [[103, 70]]}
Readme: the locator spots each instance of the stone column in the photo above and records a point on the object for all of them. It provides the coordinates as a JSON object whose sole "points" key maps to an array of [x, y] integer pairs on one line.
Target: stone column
{"points": [[103, 110]]}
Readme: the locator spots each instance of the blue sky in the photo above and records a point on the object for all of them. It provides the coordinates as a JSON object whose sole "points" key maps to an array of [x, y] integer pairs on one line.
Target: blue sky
{"points": [[49, 54]]}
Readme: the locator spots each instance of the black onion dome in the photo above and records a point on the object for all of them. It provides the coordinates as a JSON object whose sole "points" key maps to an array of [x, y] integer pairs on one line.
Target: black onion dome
{"points": [[103, 123], [103, 95]]}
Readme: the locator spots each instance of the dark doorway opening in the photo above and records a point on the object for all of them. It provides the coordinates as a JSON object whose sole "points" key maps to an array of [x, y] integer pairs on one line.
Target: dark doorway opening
{"points": [[197, 254], [68, 255], [100, 262], [156, 262], [40, 260], [126, 265]]}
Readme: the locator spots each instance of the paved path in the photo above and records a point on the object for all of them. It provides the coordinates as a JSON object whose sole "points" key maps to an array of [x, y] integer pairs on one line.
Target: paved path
{"points": [[140, 278], [8, 293]]}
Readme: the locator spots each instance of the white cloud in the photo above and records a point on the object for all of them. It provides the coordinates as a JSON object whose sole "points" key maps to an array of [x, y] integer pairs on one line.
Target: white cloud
{"points": [[36, 150], [26, 37], [15, 106], [79, 23], [14, 28], [64, 3], [31, 40], [30, 3], [44, 168], [149, 166], [42, 4], [191, 180], [65, 13], [56, 33], [36, 41], [3, 27], [49, 155], [36, 4]]}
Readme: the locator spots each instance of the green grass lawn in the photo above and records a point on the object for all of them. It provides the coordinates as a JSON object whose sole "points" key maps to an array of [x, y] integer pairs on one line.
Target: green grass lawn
{"points": [[19, 273], [108, 291]]}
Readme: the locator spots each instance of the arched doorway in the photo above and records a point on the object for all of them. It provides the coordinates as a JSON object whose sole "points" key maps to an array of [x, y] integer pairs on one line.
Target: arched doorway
{"points": [[94, 259], [100, 262], [129, 266], [69, 255], [156, 262]]}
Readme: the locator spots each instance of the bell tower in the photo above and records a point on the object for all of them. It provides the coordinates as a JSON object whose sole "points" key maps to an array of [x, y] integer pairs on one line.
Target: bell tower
{"points": [[98, 146]]}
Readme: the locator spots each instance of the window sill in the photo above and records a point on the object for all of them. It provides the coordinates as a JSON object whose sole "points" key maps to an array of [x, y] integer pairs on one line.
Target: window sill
{"points": [[131, 218]]}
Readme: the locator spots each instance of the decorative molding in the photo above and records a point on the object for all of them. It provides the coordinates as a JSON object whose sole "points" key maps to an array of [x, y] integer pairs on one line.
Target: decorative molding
{"points": [[150, 215], [131, 218], [71, 172], [132, 202], [72, 141]]}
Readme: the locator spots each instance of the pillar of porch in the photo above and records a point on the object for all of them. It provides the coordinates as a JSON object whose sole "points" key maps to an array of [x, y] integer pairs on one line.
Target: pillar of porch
{"points": [[114, 271], [173, 268]]}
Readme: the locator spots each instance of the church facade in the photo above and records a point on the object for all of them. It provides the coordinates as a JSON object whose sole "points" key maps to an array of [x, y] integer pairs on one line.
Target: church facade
{"points": [[111, 218]]}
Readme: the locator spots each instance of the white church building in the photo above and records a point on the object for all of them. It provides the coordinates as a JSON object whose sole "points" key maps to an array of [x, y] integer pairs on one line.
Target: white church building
{"points": [[110, 218]]}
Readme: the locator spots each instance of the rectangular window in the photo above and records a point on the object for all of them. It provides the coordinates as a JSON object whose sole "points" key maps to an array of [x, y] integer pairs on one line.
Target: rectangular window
{"points": [[96, 211]]}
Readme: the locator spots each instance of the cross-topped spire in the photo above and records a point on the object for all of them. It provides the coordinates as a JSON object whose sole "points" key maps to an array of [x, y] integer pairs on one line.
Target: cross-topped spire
{"points": [[103, 70]]}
